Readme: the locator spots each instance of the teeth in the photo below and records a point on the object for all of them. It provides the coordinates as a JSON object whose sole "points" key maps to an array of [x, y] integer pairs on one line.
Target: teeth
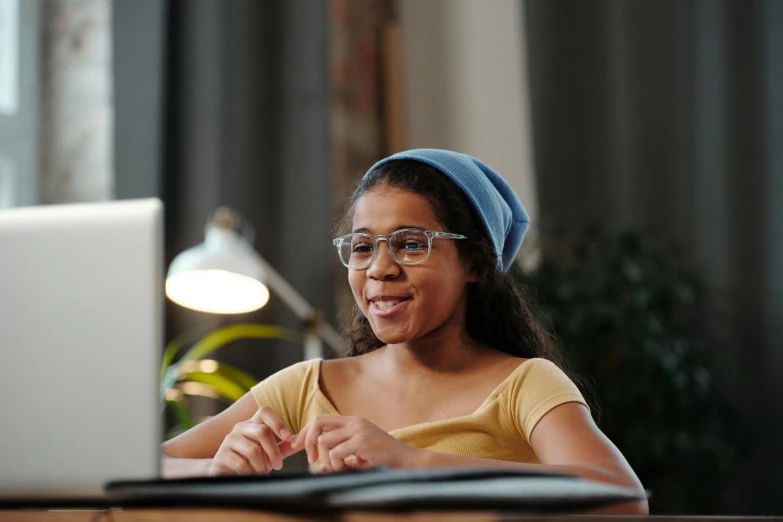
{"points": [[386, 304]]}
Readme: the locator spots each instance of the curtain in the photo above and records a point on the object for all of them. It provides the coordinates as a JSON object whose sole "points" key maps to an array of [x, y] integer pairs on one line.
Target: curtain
{"points": [[248, 126], [226, 102]]}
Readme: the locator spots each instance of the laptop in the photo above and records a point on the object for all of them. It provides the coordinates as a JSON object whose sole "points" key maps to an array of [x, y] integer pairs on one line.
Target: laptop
{"points": [[81, 307]]}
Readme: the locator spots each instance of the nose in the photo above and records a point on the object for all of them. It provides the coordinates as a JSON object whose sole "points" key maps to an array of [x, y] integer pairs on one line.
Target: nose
{"points": [[383, 266]]}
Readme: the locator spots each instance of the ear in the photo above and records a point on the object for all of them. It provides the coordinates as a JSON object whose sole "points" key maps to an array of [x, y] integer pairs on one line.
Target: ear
{"points": [[472, 276]]}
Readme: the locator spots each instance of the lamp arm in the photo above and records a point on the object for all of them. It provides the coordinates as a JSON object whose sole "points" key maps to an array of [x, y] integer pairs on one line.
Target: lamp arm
{"points": [[299, 306], [286, 292]]}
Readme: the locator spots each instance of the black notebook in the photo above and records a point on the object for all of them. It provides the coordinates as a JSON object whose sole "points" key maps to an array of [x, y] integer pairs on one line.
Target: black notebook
{"points": [[381, 489]]}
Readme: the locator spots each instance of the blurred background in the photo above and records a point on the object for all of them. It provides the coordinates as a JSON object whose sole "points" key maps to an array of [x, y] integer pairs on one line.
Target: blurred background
{"points": [[644, 137]]}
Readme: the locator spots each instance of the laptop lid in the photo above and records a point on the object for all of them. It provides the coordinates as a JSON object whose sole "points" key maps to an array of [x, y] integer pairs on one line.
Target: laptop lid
{"points": [[81, 333]]}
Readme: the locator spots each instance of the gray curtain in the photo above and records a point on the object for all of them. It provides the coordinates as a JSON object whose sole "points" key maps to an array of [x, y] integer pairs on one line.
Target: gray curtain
{"points": [[248, 126], [669, 113], [226, 102]]}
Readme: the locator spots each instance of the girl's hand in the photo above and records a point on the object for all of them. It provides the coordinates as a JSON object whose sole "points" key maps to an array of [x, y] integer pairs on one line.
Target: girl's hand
{"points": [[252, 447], [352, 442]]}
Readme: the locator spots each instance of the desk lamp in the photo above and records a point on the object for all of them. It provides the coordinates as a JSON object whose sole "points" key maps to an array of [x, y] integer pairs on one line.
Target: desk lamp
{"points": [[225, 275]]}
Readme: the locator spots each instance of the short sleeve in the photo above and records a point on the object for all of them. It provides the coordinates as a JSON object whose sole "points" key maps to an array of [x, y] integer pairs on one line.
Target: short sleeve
{"points": [[288, 391], [539, 387]]}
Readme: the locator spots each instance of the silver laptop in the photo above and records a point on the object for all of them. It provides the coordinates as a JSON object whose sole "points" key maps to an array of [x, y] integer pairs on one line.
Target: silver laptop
{"points": [[80, 336]]}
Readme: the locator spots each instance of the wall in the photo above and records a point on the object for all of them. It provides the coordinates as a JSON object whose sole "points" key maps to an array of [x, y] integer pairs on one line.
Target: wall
{"points": [[465, 84]]}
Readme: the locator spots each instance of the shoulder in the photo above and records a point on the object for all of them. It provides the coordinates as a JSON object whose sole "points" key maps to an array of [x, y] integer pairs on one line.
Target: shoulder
{"points": [[335, 373], [296, 371], [542, 371], [343, 365], [538, 386], [295, 380], [288, 391]]}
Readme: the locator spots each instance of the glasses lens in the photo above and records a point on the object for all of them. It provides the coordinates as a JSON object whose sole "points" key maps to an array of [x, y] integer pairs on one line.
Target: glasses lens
{"points": [[357, 250], [410, 246]]}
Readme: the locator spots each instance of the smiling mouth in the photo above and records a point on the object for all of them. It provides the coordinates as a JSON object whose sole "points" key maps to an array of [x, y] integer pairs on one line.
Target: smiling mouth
{"points": [[388, 305], [385, 304]]}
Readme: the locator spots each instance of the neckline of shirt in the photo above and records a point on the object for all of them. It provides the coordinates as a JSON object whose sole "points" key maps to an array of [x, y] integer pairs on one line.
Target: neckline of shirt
{"points": [[486, 403]]}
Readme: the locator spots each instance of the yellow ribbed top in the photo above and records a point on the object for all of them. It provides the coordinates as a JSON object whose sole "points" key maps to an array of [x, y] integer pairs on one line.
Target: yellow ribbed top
{"points": [[499, 429]]}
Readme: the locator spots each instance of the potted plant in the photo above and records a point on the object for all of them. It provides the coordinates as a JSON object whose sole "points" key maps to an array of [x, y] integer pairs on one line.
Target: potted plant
{"points": [[631, 318], [194, 370]]}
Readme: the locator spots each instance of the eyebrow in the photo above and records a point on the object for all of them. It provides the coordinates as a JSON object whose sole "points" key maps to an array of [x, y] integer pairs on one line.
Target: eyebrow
{"points": [[367, 230]]}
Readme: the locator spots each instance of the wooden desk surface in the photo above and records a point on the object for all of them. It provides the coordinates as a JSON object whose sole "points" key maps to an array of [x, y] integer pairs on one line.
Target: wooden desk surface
{"points": [[230, 515]]}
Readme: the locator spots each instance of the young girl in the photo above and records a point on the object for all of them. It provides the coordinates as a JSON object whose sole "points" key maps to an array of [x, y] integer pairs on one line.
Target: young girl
{"points": [[448, 366]]}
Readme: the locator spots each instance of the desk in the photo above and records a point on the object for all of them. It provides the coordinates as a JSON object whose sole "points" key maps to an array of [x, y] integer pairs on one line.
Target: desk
{"points": [[229, 515]]}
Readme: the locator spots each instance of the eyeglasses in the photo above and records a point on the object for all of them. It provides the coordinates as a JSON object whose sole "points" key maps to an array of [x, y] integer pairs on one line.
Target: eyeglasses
{"points": [[407, 246]]}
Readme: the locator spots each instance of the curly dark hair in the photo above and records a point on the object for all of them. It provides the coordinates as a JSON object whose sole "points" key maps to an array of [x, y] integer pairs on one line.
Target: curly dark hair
{"points": [[498, 310]]}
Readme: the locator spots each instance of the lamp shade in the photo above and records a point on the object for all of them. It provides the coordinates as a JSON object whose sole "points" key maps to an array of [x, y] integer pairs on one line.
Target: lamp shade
{"points": [[222, 275]]}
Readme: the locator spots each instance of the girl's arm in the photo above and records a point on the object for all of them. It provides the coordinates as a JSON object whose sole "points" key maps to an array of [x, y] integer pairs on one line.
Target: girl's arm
{"points": [[190, 453], [567, 440]]}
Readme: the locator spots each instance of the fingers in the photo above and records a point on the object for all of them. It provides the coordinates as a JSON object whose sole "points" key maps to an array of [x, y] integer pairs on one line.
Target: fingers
{"points": [[248, 448], [299, 442], [308, 437], [269, 417], [360, 463], [329, 465], [253, 453], [310, 442], [320, 423], [222, 465], [342, 451], [331, 440], [287, 449], [263, 437], [263, 428], [315, 450], [228, 462], [237, 463]]}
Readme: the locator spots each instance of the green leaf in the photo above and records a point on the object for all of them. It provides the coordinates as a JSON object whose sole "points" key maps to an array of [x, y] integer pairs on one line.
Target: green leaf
{"points": [[176, 345], [222, 336], [175, 373], [240, 377], [222, 384]]}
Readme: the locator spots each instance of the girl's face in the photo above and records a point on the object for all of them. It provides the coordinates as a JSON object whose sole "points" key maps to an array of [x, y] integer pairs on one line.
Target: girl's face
{"points": [[429, 296]]}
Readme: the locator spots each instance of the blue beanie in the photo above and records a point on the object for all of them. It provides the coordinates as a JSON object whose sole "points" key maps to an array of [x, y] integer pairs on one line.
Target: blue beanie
{"points": [[496, 204]]}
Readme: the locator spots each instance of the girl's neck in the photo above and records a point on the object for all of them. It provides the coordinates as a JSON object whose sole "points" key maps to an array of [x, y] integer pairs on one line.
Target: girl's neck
{"points": [[446, 350]]}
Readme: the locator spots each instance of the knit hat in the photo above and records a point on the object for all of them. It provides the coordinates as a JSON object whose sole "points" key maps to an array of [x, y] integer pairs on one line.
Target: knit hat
{"points": [[495, 202]]}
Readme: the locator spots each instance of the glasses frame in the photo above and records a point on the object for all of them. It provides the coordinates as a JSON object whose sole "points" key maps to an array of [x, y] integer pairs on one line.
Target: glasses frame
{"points": [[431, 234]]}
